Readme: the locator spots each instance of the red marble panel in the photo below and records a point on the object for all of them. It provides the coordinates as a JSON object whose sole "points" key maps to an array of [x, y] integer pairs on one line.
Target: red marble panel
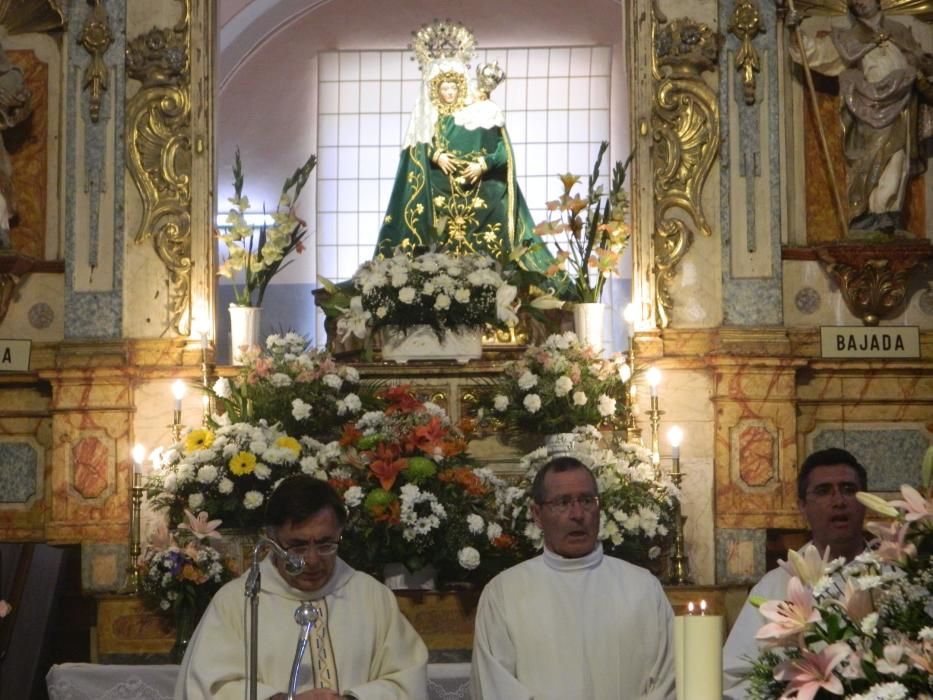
{"points": [[756, 455], [90, 459]]}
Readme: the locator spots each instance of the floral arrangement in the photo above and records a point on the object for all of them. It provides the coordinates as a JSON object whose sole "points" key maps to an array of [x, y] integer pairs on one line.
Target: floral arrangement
{"points": [[227, 471], [636, 507], [303, 391], [558, 386], [260, 260], [588, 231], [863, 629], [412, 495], [435, 289], [180, 573]]}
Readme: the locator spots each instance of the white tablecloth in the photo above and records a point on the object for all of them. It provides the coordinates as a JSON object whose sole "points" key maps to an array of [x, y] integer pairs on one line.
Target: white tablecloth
{"points": [[153, 682]]}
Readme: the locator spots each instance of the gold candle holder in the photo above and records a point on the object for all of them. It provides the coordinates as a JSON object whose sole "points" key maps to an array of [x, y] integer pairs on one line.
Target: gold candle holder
{"points": [[654, 416], [136, 500], [680, 565], [176, 425], [207, 376]]}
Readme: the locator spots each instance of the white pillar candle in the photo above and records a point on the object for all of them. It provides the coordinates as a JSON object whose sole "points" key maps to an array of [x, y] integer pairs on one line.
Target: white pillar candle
{"points": [[702, 654]]}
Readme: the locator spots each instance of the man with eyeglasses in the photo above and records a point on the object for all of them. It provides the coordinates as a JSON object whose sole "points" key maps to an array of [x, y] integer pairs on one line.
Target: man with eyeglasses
{"points": [[572, 623], [826, 488], [362, 647]]}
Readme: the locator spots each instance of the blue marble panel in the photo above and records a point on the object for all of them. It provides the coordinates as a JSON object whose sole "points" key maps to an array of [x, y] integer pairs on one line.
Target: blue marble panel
{"points": [[95, 314], [103, 567], [19, 472], [891, 456], [727, 542], [751, 302]]}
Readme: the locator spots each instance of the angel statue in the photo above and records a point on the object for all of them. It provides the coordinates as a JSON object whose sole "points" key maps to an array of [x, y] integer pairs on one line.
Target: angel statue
{"points": [[884, 85], [455, 186]]}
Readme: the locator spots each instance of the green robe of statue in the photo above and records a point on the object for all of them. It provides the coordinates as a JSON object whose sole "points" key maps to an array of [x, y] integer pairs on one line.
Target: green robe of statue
{"points": [[428, 207]]}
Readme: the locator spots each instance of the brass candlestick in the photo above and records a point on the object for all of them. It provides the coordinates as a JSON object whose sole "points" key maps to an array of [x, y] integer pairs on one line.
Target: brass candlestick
{"points": [[132, 568], [176, 425], [680, 566], [654, 415], [207, 376]]}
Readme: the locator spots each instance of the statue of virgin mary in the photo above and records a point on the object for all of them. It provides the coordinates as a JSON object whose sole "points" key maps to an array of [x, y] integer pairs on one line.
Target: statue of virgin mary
{"points": [[455, 187]]}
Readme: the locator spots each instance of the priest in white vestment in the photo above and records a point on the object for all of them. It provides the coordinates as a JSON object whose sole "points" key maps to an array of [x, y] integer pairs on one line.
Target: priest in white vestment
{"points": [[572, 623], [826, 486], [362, 648]]}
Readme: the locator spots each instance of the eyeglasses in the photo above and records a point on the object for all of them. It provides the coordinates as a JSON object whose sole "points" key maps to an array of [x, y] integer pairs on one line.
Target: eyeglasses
{"points": [[562, 505], [825, 492], [321, 548]]}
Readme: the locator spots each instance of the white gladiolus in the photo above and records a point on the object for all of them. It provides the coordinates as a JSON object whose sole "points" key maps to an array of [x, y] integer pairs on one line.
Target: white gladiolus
{"points": [[607, 405]]}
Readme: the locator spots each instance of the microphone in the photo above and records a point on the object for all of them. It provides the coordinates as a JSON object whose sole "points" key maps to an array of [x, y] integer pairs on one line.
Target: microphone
{"points": [[294, 563]]}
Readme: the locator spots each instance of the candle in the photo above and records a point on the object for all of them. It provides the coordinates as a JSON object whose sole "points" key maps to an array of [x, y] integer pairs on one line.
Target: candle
{"points": [[654, 378], [698, 654], [178, 391], [675, 436], [139, 454], [204, 340], [630, 314], [625, 373]]}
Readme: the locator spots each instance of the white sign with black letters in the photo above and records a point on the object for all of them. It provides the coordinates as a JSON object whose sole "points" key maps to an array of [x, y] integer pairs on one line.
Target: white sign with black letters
{"points": [[870, 342], [14, 355]]}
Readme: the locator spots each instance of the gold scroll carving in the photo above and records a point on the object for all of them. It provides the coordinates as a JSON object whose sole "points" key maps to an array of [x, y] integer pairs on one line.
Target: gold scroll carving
{"points": [[159, 153], [745, 23], [685, 130], [96, 38]]}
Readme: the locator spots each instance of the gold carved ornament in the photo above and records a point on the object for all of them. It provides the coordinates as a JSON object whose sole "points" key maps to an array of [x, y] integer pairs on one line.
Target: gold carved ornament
{"points": [[96, 38], [159, 154], [685, 130], [746, 24], [873, 279], [40, 16]]}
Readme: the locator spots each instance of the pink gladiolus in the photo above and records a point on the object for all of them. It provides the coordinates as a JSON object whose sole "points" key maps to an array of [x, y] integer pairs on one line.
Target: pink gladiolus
{"points": [[201, 527], [789, 618], [915, 506], [812, 672]]}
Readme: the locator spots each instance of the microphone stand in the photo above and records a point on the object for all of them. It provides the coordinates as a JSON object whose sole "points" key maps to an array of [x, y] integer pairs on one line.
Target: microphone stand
{"points": [[306, 615], [294, 564]]}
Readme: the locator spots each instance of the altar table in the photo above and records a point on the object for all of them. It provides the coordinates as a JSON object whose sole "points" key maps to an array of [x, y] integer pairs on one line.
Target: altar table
{"points": [[157, 682]]}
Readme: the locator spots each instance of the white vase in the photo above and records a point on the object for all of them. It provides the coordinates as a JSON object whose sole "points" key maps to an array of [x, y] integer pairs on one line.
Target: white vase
{"points": [[422, 343], [397, 577], [561, 444], [244, 331], [588, 323]]}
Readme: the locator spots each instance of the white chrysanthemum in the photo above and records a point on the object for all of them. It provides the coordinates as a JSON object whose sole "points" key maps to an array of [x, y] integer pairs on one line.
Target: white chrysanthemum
{"points": [[883, 691], [252, 500], [222, 388], [353, 496], [406, 295], [527, 380], [563, 385], [351, 375], [262, 471], [333, 381], [493, 530], [606, 406], [869, 624], [475, 523], [500, 402], [579, 398], [195, 501], [170, 483], [532, 403], [280, 379], [225, 486], [462, 295], [309, 464], [469, 558], [185, 473], [207, 473], [442, 302]]}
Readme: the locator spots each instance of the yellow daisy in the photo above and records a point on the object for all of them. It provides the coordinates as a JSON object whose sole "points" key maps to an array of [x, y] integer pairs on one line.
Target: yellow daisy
{"points": [[199, 439], [289, 443], [242, 463]]}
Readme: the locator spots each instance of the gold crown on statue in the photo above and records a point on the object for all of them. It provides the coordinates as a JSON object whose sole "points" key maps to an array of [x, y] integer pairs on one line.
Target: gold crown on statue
{"points": [[488, 76], [442, 39]]}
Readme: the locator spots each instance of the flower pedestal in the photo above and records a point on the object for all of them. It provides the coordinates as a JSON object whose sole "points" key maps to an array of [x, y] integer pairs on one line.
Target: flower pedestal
{"points": [[588, 324], [244, 331], [422, 343]]}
